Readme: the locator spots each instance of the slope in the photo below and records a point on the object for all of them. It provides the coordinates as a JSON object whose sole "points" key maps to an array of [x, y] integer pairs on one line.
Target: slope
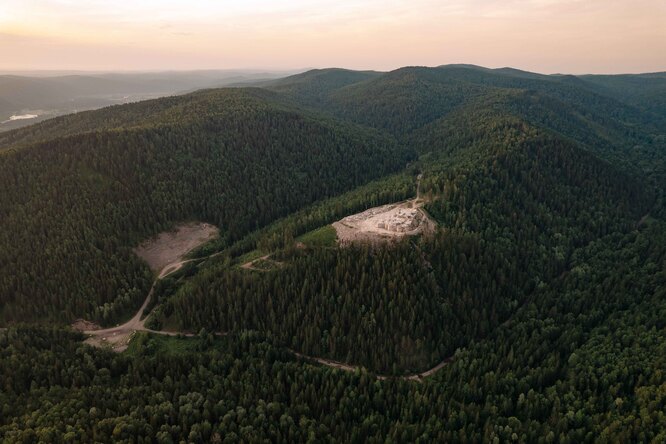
{"points": [[406, 100], [75, 203], [514, 203]]}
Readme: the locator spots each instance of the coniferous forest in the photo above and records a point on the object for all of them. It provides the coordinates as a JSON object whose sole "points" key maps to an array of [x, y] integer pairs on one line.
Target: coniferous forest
{"points": [[539, 297]]}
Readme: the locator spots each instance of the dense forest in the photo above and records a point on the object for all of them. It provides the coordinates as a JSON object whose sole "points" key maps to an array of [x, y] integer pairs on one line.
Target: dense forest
{"points": [[581, 362], [74, 206], [542, 286], [408, 307]]}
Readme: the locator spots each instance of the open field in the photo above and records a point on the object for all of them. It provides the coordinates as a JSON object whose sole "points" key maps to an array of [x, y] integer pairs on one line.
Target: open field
{"points": [[321, 237]]}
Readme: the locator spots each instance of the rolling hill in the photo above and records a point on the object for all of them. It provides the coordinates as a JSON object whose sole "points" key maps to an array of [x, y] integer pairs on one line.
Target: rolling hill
{"points": [[535, 308], [233, 157], [47, 96]]}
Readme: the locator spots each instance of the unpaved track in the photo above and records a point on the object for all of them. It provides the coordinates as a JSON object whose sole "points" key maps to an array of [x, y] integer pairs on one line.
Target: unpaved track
{"points": [[155, 251], [119, 337], [351, 368], [250, 265]]}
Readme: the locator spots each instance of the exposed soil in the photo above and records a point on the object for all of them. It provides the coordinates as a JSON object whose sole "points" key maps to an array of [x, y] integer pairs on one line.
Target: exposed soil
{"points": [[263, 263], [83, 325], [168, 247], [386, 223], [164, 255]]}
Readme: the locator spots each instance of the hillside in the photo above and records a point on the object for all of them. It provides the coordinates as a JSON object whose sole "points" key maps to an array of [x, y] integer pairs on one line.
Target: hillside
{"points": [[74, 205], [314, 87], [531, 312], [645, 91], [512, 215], [406, 100]]}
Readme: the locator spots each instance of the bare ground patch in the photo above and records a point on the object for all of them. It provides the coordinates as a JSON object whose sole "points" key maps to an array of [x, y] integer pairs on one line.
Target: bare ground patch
{"points": [[263, 263], [385, 223], [166, 248], [83, 325]]}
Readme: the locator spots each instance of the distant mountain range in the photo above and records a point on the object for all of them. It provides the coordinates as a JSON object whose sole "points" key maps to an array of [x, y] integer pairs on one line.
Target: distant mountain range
{"points": [[49, 94]]}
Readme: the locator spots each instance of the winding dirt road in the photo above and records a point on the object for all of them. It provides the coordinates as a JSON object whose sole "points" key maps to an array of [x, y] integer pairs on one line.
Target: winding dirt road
{"points": [[351, 368], [119, 337]]}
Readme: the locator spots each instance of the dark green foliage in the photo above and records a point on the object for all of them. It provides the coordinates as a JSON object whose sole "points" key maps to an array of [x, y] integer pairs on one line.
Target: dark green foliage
{"points": [[646, 91], [376, 308], [530, 203], [72, 207], [544, 283], [583, 362]]}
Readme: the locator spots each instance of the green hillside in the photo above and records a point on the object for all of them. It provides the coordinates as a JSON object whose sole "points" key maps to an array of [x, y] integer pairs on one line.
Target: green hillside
{"points": [[74, 205], [512, 215], [645, 91], [404, 101], [537, 301]]}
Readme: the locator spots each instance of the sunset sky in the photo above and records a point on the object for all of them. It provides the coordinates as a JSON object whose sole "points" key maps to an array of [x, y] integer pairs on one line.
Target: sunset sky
{"points": [[573, 36]]}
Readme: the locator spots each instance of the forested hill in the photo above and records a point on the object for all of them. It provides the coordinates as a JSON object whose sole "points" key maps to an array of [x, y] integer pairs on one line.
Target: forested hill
{"points": [[538, 294], [597, 112], [73, 205], [194, 108]]}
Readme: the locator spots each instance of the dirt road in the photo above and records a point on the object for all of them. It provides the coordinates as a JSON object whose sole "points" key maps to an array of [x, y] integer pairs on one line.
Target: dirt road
{"points": [[118, 337], [165, 251], [250, 265], [158, 251], [351, 368]]}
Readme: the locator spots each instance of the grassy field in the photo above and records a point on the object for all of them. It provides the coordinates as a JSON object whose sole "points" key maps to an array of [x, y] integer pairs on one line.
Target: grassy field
{"points": [[151, 344], [321, 237]]}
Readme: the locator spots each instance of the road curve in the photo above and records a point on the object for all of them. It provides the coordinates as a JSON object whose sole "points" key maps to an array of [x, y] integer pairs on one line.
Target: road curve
{"points": [[351, 368]]}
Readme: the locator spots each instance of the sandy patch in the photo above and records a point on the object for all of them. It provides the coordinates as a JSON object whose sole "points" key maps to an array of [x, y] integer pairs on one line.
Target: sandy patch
{"points": [[116, 341], [166, 248], [163, 254]]}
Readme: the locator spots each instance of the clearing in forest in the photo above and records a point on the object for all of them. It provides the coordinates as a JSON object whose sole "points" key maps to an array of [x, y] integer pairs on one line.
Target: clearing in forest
{"points": [[167, 247], [385, 223], [164, 254]]}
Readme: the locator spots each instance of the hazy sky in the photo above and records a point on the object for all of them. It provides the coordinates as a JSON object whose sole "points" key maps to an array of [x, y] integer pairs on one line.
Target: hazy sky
{"points": [[574, 36]]}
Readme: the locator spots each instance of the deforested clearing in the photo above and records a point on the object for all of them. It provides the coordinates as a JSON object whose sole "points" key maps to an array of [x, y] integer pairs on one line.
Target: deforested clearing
{"points": [[167, 247]]}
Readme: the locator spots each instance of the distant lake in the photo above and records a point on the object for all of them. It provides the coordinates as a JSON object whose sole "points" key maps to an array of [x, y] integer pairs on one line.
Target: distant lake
{"points": [[21, 117]]}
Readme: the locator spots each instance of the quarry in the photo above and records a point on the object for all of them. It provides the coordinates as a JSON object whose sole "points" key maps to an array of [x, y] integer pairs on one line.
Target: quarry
{"points": [[384, 223]]}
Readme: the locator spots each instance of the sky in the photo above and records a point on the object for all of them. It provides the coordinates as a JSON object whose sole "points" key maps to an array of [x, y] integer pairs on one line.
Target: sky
{"points": [[548, 36]]}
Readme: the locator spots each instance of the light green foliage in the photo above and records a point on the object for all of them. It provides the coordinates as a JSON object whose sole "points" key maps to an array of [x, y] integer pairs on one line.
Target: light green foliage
{"points": [[321, 237]]}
